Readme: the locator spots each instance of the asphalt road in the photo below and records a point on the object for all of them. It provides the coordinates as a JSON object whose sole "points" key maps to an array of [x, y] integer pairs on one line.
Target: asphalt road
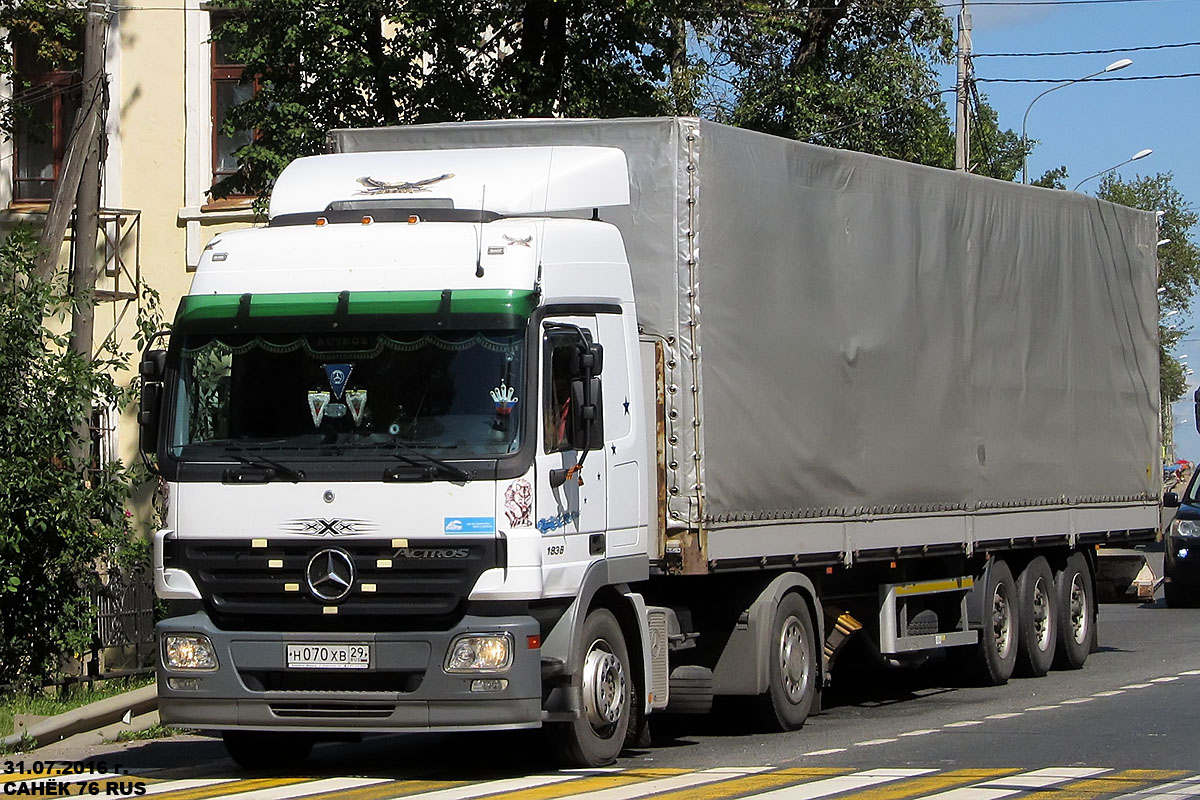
{"points": [[1124, 725]]}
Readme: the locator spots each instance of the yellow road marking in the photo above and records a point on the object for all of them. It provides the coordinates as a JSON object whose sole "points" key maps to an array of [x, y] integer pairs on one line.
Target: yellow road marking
{"points": [[385, 790], [942, 781], [580, 785], [1116, 783], [749, 784], [236, 787]]}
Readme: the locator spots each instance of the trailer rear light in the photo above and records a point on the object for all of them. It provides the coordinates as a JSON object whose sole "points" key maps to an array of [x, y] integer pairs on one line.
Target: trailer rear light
{"points": [[188, 651], [488, 652]]}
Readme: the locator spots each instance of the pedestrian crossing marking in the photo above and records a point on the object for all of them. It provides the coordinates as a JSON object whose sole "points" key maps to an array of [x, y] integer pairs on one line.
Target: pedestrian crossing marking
{"points": [[842, 784], [717, 783], [223, 789], [1115, 784], [573, 785], [751, 785]]}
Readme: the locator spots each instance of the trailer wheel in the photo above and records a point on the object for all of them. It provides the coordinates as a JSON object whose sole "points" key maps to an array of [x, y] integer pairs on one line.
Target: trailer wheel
{"points": [[606, 686], [996, 653], [263, 750], [1038, 607], [792, 664], [1076, 614]]}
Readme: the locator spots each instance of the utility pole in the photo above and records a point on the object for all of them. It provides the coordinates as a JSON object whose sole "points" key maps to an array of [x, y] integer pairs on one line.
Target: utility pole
{"points": [[86, 129], [87, 207], [962, 123]]}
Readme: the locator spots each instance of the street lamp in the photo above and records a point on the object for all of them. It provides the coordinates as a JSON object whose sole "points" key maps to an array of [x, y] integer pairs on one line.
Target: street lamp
{"points": [[1113, 67], [1134, 157]]}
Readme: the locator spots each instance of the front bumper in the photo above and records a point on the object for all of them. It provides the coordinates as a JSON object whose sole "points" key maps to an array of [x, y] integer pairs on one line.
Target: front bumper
{"points": [[404, 689], [1182, 569]]}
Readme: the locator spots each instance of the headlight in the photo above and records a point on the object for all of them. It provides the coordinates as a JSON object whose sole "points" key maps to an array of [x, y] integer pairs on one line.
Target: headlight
{"points": [[488, 652], [188, 651], [1186, 528]]}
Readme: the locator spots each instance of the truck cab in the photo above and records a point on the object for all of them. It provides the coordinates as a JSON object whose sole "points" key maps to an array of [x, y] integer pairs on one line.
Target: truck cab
{"points": [[400, 434]]}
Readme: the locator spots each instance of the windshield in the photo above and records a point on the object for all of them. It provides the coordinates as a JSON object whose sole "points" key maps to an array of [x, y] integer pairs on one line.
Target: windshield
{"points": [[452, 394]]}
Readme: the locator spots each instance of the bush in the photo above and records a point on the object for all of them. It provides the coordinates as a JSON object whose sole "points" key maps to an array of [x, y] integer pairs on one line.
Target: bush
{"points": [[59, 518]]}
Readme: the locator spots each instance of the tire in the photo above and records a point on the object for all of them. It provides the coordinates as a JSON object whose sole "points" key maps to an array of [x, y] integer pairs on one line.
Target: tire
{"points": [[1037, 604], [262, 750], [793, 668], [1076, 613], [606, 694], [996, 653]]}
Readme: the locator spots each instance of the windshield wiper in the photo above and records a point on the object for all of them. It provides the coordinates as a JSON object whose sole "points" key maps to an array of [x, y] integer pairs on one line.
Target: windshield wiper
{"points": [[415, 458], [269, 468]]}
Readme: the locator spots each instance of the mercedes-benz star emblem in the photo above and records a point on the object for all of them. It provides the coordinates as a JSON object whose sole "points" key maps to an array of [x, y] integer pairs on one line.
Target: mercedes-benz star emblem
{"points": [[330, 575]]}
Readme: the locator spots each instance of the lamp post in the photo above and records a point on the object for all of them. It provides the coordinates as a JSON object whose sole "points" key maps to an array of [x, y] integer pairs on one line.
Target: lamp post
{"points": [[1134, 157], [1113, 67]]}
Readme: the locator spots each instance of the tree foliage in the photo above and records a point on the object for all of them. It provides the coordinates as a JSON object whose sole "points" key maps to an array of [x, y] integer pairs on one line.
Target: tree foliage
{"points": [[1178, 261], [51, 31], [855, 74], [56, 528]]}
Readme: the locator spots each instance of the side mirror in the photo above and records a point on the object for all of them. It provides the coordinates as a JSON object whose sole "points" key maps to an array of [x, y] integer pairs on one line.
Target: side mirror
{"points": [[148, 416], [154, 365], [1196, 410], [587, 359], [1170, 500]]}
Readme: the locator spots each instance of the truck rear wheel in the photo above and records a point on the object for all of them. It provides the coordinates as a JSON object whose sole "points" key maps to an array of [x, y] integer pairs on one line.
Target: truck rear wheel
{"points": [[606, 688], [1076, 613], [793, 666], [1037, 600], [264, 750], [996, 653]]}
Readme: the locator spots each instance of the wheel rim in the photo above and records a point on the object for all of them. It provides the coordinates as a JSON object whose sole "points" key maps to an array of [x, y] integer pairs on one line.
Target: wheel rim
{"points": [[1002, 628], [1079, 616], [795, 663], [1042, 629], [604, 686]]}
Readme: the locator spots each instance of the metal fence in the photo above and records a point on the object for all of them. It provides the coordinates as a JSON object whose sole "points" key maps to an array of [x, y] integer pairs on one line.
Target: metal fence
{"points": [[125, 620]]}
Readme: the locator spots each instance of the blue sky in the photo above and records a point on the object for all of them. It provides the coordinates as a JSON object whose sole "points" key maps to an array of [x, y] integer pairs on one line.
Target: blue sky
{"points": [[1093, 125]]}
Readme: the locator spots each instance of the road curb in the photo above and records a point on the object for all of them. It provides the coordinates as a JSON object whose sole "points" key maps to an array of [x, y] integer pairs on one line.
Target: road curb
{"points": [[94, 715]]}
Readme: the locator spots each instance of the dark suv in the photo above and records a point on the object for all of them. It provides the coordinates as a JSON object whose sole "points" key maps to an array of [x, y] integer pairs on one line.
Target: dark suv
{"points": [[1181, 556]]}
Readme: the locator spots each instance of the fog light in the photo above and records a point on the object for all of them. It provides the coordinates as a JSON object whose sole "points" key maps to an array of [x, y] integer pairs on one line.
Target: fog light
{"points": [[475, 653], [1183, 552], [489, 685], [184, 684], [188, 651]]}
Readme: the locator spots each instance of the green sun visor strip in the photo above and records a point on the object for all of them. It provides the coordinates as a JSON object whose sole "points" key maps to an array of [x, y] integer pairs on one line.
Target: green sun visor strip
{"points": [[354, 309]]}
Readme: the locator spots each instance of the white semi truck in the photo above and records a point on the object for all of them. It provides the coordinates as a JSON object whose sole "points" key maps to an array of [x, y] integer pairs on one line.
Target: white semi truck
{"points": [[563, 423]]}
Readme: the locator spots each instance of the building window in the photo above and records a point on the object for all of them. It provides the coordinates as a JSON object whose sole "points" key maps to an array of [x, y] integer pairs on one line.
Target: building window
{"points": [[46, 100], [228, 91]]}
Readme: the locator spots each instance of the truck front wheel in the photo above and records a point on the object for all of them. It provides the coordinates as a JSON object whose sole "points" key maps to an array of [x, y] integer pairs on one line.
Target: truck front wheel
{"points": [[792, 661], [606, 687]]}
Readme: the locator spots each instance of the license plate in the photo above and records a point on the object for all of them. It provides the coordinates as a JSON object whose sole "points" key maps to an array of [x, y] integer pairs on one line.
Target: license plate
{"points": [[319, 655]]}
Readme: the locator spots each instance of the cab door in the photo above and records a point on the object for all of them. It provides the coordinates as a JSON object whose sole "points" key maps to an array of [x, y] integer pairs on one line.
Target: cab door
{"points": [[570, 503]]}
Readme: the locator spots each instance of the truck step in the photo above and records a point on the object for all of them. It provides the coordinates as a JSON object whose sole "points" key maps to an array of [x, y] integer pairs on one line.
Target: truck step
{"points": [[691, 690]]}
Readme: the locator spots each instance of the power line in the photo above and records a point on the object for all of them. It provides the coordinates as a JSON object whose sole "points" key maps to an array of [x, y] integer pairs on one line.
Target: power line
{"points": [[1087, 52], [1100, 80]]}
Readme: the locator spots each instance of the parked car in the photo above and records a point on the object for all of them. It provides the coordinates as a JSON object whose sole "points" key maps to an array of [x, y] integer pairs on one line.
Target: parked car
{"points": [[1181, 559]]}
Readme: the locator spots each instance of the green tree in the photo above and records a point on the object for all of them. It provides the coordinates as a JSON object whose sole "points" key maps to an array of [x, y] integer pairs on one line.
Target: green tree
{"points": [[351, 63], [1178, 261], [56, 527], [1052, 178]]}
